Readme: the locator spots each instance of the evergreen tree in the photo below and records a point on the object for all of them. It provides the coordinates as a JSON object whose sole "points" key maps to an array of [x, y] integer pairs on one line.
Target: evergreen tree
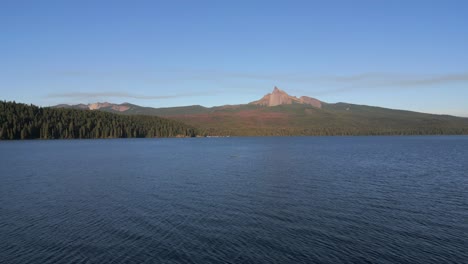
{"points": [[20, 121]]}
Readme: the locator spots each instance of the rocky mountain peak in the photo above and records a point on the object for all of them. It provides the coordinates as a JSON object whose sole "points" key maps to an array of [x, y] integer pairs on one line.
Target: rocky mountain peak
{"points": [[116, 107], [280, 97]]}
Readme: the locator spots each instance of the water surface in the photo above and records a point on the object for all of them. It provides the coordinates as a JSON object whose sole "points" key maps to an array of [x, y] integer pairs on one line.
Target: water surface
{"points": [[235, 200]]}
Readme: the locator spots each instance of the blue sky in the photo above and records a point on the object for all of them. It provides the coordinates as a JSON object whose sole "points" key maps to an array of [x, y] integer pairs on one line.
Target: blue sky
{"points": [[399, 54]]}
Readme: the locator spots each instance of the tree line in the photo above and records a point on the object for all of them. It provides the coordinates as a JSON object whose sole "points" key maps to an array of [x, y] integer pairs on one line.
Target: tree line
{"points": [[334, 131], [21, 121]]}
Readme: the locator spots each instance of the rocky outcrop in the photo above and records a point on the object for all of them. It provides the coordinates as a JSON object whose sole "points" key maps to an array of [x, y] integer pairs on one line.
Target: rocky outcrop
{"points": [[280, 97], [120, 108], [97, 106], [105, 105]]}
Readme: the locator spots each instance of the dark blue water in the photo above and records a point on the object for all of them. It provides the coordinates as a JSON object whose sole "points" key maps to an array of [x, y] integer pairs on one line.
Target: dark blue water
{"points": [[235, 200]]}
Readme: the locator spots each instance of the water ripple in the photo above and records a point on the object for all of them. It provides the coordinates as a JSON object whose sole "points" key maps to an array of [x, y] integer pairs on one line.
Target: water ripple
{"points": [[236, 200]]}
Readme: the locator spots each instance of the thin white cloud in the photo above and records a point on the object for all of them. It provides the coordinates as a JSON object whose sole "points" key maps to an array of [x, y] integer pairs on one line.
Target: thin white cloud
{"points": [[382, 81], [91, 95], [318, 85], [369, 78]]}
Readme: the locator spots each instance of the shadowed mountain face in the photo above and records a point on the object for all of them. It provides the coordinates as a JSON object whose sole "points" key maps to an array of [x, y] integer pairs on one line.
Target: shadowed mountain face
{"points": [[278, 113]]}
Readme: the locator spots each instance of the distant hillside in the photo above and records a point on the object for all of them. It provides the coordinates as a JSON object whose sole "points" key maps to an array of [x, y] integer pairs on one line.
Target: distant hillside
{"points": [[278, 113], [20, 121], [331, 119], [131, 109]]}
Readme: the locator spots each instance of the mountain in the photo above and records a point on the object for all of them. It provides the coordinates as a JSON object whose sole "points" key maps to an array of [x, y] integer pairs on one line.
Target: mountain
{"points": [[99, 106], [279, 97], [278, 113]]}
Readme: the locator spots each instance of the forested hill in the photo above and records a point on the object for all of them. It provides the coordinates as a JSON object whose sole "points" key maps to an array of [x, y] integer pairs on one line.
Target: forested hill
{"points": [[280, 114], [21, 121]]}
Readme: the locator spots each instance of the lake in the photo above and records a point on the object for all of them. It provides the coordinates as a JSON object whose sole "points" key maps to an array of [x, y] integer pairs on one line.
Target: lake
{"points": [[235, 200]]}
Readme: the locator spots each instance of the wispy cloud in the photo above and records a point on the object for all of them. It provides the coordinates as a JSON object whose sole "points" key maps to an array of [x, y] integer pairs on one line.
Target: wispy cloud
{"points": [[384, 81], [369, 78], [312, 83], [388, 79], [92, 95], [440, 79]]}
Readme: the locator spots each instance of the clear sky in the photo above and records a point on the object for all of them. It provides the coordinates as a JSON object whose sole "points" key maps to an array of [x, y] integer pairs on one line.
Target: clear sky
{"points": [[399, 54]]}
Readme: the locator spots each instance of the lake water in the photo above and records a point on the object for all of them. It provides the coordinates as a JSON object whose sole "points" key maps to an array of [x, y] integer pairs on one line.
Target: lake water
{"points": [[235, 200]]}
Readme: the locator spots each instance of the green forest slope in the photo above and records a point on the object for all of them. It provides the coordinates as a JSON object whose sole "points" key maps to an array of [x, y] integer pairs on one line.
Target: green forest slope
{"points": [[331, 119], [303, 119], [21, 121]]}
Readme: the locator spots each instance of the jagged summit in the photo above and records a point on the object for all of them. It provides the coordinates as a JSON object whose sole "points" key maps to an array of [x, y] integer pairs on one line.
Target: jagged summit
{"points": [[280, 97], [98, 106], [276, 97]]}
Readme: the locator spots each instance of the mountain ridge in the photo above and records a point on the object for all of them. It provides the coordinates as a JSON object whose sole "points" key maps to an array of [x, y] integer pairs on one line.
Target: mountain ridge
{"points": [[278, 113], [276, 97], [280, 97]]}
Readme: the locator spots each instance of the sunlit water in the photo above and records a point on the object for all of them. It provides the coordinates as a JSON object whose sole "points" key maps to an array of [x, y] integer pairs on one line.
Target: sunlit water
{"points": [[235, 200]]}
